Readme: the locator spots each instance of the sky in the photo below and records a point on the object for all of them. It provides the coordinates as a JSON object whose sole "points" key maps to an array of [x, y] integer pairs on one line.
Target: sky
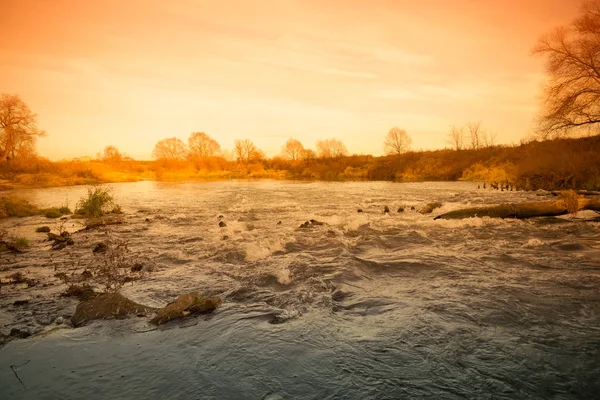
{"points": [[131, 72]]}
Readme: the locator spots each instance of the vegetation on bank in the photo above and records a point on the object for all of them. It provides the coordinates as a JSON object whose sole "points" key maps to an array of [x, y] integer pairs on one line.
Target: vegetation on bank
{"points": [[551, 164]]}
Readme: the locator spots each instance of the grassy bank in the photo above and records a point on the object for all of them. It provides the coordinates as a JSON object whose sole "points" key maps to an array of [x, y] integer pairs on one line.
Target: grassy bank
{"points": [[555, 164]]}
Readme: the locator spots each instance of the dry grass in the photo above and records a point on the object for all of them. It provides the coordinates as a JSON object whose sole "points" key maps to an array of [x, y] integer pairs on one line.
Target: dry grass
{"points": [[571, 199]]}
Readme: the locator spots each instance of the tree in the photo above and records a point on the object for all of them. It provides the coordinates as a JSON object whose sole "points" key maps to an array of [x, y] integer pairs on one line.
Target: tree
{"points": [[201, 146], [292, 150], [308, 156], [18, 127], [331, 148], [170, 149], [456, 137], [112, 155], [397, 141], [245, 151], [475, 133], [572, 93]]}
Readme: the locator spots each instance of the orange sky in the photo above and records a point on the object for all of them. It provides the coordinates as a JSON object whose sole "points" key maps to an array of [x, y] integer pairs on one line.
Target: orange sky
{"points": [[131, 72]]}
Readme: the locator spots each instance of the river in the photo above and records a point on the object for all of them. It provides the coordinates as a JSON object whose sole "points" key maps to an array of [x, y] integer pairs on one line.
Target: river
{"points": [[366, 306]]}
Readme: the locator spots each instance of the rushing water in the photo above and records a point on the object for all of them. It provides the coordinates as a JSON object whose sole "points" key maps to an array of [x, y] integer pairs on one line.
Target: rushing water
{"points": [[366, 306]]}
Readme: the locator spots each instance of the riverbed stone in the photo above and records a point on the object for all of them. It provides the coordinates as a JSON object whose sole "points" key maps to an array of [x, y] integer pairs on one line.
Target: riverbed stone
{"points": [[186, 304], [107, 306], [428, 208]]}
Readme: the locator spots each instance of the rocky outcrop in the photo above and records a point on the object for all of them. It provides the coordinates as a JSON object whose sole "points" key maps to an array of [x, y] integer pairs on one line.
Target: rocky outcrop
{"points": [[107, 306], [428, 208], [186, 304], [311, 223]]}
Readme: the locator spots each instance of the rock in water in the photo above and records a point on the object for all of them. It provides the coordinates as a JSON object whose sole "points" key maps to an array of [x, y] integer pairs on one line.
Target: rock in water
{"points": [[222, 224], [100, 247], [186, 304], [386, 210], [401, 209], [107, 306], [359, 210], [428, 208]]}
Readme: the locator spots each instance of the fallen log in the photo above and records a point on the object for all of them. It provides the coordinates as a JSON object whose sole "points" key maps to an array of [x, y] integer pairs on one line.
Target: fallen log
{"points": [[524, 210]]}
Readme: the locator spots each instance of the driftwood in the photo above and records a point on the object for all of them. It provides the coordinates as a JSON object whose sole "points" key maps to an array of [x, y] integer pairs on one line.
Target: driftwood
{"points": [[523, 210]]}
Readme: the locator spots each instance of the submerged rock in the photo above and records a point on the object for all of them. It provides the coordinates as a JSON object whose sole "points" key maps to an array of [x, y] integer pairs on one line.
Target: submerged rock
{"points": [[100, 247], [222, 224], [107, 306], [386, 210], [186, 304], [359, 210], [428, 208], [311, 223], [400, 209]]}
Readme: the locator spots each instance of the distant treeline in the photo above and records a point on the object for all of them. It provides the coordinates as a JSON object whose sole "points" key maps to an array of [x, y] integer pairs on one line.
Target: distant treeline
{"points": [[550, 164]]}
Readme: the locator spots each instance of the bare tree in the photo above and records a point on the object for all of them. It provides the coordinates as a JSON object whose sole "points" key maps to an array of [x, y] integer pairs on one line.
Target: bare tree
{"points": [[331, 148], [456, 137], [488, 139], [475, 133], [18, 127], [112, 155], [245, 151], [292, 150], [572, 93], [396, 142], [201, 146], [170, 149]]}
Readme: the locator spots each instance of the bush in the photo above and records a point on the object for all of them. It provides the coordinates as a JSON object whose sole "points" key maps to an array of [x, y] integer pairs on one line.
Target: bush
{"points": [[21, 242], [64, 210], [55, 212], [52, 212], [96, 203], [16, 207]]}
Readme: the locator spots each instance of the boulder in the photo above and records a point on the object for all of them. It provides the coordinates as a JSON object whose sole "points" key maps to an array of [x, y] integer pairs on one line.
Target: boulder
{"points": [[428, 208], [186, 304], [107, 306], [100, 247]]}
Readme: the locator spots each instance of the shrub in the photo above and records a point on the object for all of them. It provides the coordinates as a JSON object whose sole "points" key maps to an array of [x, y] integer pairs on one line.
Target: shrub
{"points": [[96, 202], [16, 207], [571, 199], [21, 242], [65, 210], [52, 212]]}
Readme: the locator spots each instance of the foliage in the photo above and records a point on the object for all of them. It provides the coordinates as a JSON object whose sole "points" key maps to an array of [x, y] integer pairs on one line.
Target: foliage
{"points": [[96, 203], [16, 207], [171, 149], [20, 242]]}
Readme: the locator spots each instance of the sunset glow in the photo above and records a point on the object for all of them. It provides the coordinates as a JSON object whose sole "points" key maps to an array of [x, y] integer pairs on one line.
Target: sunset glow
{"points": [[129, 73]]}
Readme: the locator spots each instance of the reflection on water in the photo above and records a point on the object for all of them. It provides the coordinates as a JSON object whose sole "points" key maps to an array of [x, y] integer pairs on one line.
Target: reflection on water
{"points": [[367, 305]]}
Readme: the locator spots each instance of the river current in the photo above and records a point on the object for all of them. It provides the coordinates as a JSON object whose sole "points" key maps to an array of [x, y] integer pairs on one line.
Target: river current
{"points": [[365, 306]]}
